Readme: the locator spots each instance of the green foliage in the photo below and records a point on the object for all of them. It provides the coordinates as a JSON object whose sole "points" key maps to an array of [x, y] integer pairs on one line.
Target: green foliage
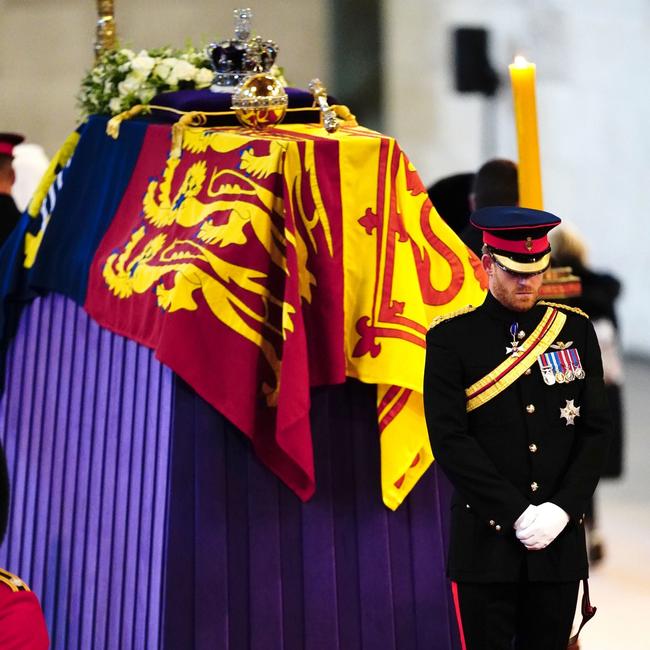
{"points": [[121, 78]]}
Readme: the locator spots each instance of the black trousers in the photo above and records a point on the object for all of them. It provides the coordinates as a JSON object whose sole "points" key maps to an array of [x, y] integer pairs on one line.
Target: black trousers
{"points": [[516, 616]]}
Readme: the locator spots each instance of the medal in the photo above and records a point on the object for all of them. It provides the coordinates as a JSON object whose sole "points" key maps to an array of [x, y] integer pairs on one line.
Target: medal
{"points": [[562, 365], [547, 369], [554, 360], [513, 349], [565, 360], [576, 364], [570, 412]]}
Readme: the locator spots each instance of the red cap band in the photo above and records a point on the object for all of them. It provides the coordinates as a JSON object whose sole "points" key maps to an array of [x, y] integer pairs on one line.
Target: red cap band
{"points": [[7, 148], [528, 246]]}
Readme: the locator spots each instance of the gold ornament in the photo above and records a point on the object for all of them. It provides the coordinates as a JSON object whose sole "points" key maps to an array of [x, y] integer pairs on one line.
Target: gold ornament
{"points": [[260, 101], [106, 35]]}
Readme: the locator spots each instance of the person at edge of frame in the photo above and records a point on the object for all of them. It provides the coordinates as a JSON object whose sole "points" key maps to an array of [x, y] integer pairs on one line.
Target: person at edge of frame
{"points": [[517, 415], [22, 625], [9, 213]]}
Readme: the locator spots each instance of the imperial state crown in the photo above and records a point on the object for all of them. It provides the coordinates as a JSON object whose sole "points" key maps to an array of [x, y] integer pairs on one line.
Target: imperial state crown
{"points": [[236, 58]]}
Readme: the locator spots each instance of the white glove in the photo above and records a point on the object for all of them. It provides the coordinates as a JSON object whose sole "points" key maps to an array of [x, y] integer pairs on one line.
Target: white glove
{"points": [[549, 522], [526, 518]]}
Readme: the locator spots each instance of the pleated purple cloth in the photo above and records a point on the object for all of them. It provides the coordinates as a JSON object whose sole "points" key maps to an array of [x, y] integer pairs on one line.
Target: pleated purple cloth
{"points": [[85, 421], [253, 567], [142, 519]]}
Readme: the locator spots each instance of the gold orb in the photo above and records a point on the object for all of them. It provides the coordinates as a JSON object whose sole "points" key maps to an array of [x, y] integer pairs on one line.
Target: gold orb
{"points": [[260, 101]]}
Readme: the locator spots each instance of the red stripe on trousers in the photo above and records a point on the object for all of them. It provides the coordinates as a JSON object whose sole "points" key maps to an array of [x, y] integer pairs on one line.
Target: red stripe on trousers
{"points": [[459, 620]]}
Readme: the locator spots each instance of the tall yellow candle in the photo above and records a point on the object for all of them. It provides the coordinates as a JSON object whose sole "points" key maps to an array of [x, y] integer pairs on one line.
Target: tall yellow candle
{"points": [[522, 77]]}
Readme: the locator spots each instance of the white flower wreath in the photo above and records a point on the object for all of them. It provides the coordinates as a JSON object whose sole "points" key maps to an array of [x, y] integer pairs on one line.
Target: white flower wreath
{"points": [[121, 78]]}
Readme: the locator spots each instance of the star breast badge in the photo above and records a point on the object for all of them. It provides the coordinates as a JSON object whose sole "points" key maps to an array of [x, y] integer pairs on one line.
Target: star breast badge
{"points": [[570, 412]]}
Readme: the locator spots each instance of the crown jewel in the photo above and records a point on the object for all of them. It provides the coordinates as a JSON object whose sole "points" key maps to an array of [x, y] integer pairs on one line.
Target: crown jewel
{"points": [[234, 59]]}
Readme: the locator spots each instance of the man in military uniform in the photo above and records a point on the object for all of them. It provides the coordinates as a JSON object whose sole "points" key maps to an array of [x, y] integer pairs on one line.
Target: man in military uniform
{"points": [[22, 625], [518, 420], [9, 213]]}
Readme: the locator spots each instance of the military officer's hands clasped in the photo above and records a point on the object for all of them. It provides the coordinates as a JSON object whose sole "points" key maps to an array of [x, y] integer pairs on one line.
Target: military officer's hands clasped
{"points": [[539, 525], [526, 518]]}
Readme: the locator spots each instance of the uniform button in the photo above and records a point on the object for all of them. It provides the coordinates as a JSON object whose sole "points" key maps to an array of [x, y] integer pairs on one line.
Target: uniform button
{"points": [[497, 528], [532, 447], [467, 505], [521, 334], [528, 371], [580, 520], [534, 487], [530, 408], [492, 522]]}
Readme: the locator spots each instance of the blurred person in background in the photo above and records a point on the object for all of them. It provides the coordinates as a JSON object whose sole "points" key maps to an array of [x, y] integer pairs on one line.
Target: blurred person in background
{"points": [[451, 199], [9, 212], [30, 163], [495, 184], [600, 292]]}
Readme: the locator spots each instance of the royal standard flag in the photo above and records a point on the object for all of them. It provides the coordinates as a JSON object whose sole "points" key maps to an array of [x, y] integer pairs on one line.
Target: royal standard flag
{"points": [[403, 267], [258, 265]]}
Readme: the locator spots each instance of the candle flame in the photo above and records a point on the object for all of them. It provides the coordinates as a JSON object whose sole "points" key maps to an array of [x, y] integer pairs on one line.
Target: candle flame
{"points": [[521, 61]]}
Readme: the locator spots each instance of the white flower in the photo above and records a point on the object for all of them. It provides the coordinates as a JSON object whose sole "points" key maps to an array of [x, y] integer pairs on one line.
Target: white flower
{"points": [[203, 77], [142, 65], [162, 70], [172, 78], [278, 73], [146, 94], [185, 71], [181, 71], [115, 105], [121, 78], [129, 85]]}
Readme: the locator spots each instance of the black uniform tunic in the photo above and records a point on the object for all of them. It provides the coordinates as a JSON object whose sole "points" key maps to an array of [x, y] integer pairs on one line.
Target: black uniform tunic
{"points": [[516, 449]]}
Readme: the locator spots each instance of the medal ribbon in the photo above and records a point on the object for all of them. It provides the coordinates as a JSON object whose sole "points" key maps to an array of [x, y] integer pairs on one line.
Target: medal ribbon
{"points": [[575, 359], [566, 360], [507, 372], [546, 365], [555, 362]]}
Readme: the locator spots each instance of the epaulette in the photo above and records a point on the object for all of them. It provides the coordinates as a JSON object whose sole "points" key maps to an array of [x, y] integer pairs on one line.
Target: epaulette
{"points": [[452, 314], [13, 582], [575, 310]]}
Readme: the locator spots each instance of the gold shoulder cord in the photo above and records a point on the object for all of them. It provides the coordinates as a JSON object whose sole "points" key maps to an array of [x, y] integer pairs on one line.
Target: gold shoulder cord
{"points": [[557, 305], [12, 581], [443, 317]]}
